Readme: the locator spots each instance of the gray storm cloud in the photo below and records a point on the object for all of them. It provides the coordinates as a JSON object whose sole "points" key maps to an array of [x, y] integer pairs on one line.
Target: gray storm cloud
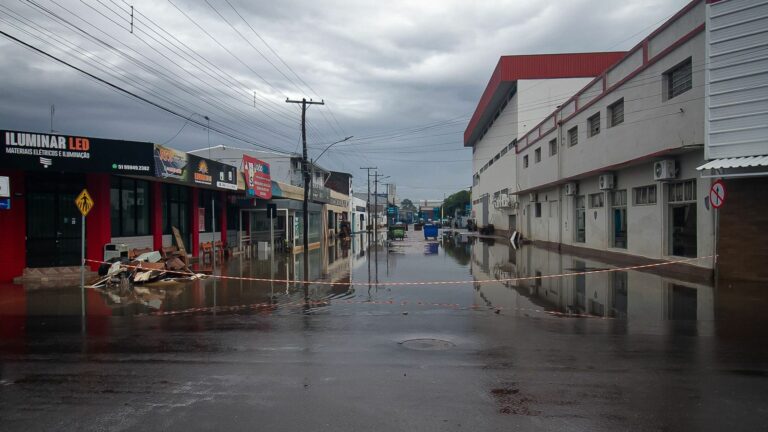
{"points": [[384, 68]]}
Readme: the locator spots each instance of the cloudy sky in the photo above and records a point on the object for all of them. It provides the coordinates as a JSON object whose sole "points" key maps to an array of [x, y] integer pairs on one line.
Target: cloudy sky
{"points": [[402, 77]]}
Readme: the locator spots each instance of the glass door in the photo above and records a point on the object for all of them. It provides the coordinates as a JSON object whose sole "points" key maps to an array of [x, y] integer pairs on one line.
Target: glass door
{"points": [[53, 220]]}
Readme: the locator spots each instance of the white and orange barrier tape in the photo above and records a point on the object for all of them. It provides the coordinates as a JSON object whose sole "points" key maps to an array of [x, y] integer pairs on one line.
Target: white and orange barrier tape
{"points": [[482, 281]]}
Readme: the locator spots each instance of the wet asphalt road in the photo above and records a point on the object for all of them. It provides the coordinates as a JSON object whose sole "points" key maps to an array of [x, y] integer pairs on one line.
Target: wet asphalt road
{"points": [[363, 357]]}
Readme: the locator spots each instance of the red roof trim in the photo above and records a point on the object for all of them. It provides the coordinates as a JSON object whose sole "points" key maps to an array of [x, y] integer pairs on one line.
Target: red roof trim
{"points": [[540, 66]]}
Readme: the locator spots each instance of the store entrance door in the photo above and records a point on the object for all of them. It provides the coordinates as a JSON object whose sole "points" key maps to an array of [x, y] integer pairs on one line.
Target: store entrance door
{"points": [[53, 221]]}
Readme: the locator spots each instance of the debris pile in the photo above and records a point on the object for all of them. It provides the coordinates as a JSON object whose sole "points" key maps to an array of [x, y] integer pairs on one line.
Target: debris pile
{"points": [[145, 265]]}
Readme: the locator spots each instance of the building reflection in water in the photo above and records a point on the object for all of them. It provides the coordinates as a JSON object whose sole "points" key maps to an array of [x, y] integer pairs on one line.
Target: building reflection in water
{"points": [[633, 295]]}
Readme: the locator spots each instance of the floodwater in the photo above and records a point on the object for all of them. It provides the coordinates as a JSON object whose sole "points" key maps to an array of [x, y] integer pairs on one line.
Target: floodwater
{"points": [[508, 338]]}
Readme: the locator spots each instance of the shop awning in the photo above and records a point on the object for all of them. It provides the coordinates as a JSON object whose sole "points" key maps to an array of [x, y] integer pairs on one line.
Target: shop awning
{"points": [[737, 162]]}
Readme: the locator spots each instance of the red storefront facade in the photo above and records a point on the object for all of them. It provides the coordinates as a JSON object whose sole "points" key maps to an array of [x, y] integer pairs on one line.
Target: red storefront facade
{"points": [[135, 201]]}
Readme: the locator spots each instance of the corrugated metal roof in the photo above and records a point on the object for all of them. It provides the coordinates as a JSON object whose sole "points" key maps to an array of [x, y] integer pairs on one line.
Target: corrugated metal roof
{"points": [[737, 162]]}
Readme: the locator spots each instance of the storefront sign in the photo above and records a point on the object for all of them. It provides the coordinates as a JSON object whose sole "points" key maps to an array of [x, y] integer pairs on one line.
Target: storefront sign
{"points": [[170, 163], [187, 168], [64, 153], [339, 202], [321, 194], [258, 182]]}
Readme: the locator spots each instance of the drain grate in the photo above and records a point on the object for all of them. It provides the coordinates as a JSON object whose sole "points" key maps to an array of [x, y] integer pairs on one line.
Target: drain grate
{"points": [[427, 344]]}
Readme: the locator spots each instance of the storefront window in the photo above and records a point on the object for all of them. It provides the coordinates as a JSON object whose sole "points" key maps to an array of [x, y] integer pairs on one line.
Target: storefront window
{"points": [[175, 208], [129, 200], [205, 202]]}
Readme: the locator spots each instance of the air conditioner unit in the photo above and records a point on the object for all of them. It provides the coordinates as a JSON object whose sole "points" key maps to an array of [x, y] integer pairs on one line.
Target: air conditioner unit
{"points": [[115, 250], [571, 188], [665, 169], [606, 181], [495, 203], [534, 197]]}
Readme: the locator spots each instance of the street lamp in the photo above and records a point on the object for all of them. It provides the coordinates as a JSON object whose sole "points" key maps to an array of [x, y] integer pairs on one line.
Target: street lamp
{"points": [[331, 145]]}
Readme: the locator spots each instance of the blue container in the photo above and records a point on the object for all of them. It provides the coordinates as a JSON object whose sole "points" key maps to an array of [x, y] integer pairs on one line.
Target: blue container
{"points": [[430, 231]]}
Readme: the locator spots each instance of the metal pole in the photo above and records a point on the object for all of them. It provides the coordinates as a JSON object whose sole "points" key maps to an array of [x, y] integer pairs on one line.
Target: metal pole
{"points": [[82, 266]]}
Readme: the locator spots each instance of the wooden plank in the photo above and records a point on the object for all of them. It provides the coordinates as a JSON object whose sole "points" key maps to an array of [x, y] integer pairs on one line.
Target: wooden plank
{"points": [[179, 241]]}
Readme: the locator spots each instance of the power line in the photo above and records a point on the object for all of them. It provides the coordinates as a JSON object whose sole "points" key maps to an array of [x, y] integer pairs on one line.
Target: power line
{"points": [[134, 95]]}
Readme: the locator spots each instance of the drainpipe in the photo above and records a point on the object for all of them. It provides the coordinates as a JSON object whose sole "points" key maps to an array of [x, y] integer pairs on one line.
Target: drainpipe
{"points": [[560, 176]]}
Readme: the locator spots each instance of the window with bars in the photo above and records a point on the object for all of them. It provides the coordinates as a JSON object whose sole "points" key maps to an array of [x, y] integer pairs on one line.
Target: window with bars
{"points": [[573, 136], [553, 147], [537, 155], [616, 113], [525, 161], [593, 124], [619, 198], [683, 191], [596, 200], [645, 195], [679, 79]]}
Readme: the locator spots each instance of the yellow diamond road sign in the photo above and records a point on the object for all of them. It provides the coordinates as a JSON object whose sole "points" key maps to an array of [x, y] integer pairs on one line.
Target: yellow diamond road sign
{"points": [[84, 202]]}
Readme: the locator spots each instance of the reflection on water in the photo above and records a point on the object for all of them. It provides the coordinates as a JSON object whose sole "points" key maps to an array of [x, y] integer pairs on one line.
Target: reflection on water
{"points": [[361, 269], [632, 295]]}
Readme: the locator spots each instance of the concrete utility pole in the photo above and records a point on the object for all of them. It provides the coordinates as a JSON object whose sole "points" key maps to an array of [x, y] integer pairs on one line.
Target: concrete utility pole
{"points": [[393, 202], [368, 200], [376, 176], [305, 171]]}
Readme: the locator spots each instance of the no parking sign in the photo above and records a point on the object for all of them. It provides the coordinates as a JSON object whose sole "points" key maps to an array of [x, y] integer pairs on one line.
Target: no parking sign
{"points": [[717, 194]]}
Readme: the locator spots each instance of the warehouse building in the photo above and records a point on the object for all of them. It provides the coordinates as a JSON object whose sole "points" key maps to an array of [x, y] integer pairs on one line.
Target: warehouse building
{"points": [[610, 170]]}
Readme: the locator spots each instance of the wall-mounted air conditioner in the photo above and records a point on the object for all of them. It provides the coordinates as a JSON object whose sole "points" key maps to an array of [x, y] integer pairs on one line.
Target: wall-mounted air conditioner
{"points": [[606, 181], [571, 188], [665, 169]]}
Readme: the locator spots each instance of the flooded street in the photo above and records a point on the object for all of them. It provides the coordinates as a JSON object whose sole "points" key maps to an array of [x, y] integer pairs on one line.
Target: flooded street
{"points": [[363, 348]]}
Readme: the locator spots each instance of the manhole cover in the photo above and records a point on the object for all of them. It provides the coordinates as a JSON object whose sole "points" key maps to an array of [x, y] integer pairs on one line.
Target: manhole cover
{"points": [[427, 344]]}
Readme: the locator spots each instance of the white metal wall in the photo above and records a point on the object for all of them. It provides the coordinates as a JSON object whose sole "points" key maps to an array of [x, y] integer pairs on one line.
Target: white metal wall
{"points": [[737, 78]]}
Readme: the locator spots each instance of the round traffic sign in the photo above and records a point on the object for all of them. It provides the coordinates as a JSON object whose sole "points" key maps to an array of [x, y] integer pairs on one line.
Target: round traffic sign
{"points": [[717, 194]]}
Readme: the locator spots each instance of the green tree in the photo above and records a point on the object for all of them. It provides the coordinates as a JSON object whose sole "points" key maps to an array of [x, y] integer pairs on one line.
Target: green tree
{"points": [[458, 200], [407, 205]]}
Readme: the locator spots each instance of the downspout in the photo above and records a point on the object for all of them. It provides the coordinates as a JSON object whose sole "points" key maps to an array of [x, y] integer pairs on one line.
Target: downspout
{"points": [[560, 176]]}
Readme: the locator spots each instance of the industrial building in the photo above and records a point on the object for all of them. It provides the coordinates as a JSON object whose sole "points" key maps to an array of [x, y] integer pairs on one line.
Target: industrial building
{"points": [[736, 132], [597, 153]]}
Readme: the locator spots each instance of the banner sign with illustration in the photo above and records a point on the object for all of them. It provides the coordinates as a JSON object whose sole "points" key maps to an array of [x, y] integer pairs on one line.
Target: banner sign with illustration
{"points": [[65, 153], [170, 163], [258, 181], [206, 172], [187, 168]]}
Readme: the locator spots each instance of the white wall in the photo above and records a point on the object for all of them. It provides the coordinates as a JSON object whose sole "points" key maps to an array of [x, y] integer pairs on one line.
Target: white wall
{"points": [[648, 225], [533, 101]]}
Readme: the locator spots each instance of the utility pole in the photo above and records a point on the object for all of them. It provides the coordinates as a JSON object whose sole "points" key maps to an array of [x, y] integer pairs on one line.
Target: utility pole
{"points": [[305, 171], [376, 176], [388, 204], [368, 200]]}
